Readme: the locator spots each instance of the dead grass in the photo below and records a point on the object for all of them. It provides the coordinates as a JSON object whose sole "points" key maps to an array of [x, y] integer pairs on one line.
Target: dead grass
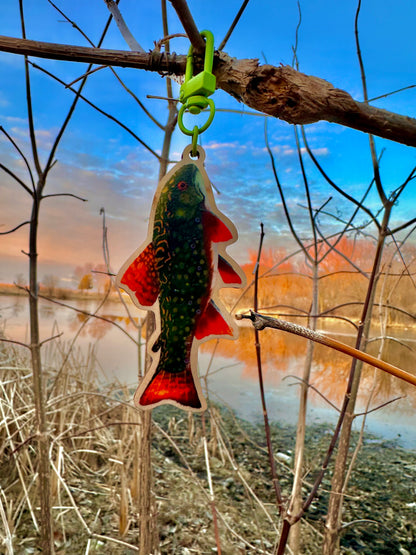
{"points": [[95, 438]]}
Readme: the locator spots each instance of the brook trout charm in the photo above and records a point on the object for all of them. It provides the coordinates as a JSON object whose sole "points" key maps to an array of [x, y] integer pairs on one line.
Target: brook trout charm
{"points": [[177, 273]]}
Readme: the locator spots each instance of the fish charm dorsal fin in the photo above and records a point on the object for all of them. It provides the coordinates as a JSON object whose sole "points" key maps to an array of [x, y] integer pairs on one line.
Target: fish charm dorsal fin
{"points": [[228, 273], [216, 230], [173, 274]]}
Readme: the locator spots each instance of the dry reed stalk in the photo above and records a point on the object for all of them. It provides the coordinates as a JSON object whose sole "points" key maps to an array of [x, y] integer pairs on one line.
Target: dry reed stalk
{"points": [[69, 411], [124, 522], [236, 468], [7, 539], [210, 486], [134, 484], [6, 419]]}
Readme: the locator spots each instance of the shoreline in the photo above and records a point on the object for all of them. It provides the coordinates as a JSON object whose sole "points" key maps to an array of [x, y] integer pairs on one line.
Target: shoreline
{"points": [[60, 293]]}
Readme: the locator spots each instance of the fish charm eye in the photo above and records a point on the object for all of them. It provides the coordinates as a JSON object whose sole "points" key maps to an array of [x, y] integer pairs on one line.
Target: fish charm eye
{"points": [[182, 186]]}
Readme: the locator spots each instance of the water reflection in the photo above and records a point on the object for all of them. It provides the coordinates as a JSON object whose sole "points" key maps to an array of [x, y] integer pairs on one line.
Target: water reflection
{"points": [[233, 371], [46, 311], [283, 354]]}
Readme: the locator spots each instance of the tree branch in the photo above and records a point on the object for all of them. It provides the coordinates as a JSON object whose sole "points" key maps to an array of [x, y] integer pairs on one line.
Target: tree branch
{"points": [[233, 24], [65, 195], [16, 178], [281, 92], [122, 26], [19, 150], [15, 228], [260, 322], [188, 23], [106, 114]]}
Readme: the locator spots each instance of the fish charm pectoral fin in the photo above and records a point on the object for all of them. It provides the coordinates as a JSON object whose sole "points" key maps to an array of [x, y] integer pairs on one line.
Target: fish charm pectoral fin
{"points": [[141, 277]]}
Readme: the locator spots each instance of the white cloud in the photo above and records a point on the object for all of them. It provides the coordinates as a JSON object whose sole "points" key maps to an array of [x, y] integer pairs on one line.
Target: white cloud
{"points": [[218, 145]]}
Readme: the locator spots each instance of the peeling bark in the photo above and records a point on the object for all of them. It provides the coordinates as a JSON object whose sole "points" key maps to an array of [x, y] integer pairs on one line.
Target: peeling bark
{"points": [[281, 92]]}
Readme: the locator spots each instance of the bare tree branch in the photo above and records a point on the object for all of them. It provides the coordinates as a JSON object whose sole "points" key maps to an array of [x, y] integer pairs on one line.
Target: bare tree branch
{"points": [[16, 178], [122, 26], [307, 194], [391, 93], [188, 23], [90, 72], [233, 25], [20, 343], [390, 338], [281, 92], [333, 184], [15, 228], [76, 26], [106, 114], [376, 169], [378, 407], [29, 98], [68, 117], [65, 195], [24, 158], [395, 194], [282, 196], [340, 253], [403, 226], [301, 380], [260, 322]]}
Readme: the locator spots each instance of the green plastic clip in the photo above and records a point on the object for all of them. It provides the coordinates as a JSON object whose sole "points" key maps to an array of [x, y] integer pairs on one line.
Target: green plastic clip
{"points": [[201, 85], [195, 90]]}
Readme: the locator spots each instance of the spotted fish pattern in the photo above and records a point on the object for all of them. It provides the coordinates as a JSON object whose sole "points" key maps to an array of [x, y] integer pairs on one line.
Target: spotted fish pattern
{"points": [[174, 274]]}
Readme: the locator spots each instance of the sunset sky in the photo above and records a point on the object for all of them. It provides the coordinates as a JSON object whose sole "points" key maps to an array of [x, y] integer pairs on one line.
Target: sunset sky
{"points": [[101, 162]]}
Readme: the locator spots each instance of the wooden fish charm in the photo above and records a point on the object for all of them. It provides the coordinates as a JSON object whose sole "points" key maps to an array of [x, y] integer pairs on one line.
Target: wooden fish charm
{"points": [[177, 273]]}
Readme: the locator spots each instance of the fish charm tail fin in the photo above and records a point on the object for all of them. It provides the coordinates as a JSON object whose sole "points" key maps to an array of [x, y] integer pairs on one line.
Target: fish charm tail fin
{"points": [[176, 387]]}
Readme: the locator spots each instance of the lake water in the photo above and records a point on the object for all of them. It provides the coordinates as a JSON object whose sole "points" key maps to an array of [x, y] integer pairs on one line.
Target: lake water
{"points": [[231, 372]]}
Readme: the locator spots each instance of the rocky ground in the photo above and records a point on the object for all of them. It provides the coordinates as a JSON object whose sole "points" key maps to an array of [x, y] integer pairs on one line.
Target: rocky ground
{"points": [[380, 507]]}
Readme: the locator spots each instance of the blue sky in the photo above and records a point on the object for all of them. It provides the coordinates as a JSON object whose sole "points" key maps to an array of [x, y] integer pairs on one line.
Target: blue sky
{"points": [[101, 162]]}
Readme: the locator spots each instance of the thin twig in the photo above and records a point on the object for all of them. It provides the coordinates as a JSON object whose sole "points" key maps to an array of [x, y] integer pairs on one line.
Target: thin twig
{"points": [[376, 167], [378, 407], [16, 178], [5, 340], [334, 185], [15, 228], [106, 114], [122, 27], [275, 480], [24, 158], [68, 117], [233, 25], [89, 72], [74, 24], [309, 385], [65, 195], [282, 196]]}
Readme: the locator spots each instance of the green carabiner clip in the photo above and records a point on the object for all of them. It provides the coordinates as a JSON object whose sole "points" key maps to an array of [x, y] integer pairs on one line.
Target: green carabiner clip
{"points": [[195, 90], [203, 84]]}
